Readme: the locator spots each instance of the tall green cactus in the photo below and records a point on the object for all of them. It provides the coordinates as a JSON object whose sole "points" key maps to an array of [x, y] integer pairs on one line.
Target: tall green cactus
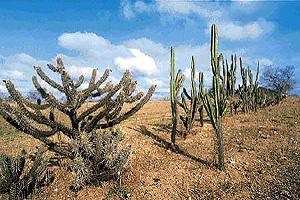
{"points": [[248, 92], [189, 111], [175, 85], [230, 74], [216, 103], [200, 101], [255, 90]]}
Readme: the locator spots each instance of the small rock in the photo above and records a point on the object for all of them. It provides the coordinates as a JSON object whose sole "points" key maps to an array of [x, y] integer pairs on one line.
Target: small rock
{"points": [[264, 136], [55, 190], [231, 161], [156, 180]]}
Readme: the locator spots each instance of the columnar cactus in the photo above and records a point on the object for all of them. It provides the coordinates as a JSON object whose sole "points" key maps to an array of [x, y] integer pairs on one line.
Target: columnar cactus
{"points": [[200, 101], [248, 92], [230, 77], [175, 86], [32, 118], [188, 118], [216, 103]]}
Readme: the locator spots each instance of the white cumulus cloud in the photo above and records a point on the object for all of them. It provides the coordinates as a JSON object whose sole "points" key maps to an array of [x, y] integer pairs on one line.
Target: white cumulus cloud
{"points": [[238, 31], [138, 62], [187, 7]]}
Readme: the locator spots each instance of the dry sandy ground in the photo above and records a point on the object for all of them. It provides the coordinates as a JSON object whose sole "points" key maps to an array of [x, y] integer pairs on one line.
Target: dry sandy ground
{"points": [[262, 158]]}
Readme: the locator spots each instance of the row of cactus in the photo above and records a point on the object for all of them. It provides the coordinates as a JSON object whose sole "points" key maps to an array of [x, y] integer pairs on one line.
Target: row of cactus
{"points": [[223, 94], [190, 103], [214, 102], [248, 90], [267, 97], [229, 80]]}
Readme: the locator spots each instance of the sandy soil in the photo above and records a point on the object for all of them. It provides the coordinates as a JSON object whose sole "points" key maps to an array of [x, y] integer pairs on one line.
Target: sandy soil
{"points": [[262, 158]]}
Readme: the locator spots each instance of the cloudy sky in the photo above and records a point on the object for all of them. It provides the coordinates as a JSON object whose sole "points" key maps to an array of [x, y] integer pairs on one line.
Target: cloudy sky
{"points": [[137, 35]]}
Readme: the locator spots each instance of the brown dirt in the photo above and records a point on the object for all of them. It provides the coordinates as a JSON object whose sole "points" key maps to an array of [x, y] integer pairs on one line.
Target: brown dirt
{"points": [[262, 158]]}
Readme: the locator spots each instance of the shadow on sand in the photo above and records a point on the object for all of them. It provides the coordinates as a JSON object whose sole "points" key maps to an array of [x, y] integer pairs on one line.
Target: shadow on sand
{"points": [[174, 148]]}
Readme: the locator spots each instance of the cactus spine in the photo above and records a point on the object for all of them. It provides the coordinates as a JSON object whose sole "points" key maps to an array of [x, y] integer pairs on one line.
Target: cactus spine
{"points": [[216, 104]]}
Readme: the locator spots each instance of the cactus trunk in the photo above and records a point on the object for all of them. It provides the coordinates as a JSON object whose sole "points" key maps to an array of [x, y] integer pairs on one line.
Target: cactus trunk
{"points": [[173, 97]]}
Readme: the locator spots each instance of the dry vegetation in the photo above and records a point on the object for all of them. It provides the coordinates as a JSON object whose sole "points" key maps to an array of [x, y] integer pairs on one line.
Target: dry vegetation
{"points": [[262, 154]]}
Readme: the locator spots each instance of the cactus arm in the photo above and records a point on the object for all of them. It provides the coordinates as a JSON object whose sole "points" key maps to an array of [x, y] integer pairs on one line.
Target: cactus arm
{"points": [[189, 97], [37, 118], [132, 99], [49, 97], [113, 105], [79, 82], [84, 94], [184, 104], [101, 91], [132, 111], [93, 78], [214, 43], [105, 99], [35, 106], [23, 124], [178, 82], [45, 78]]}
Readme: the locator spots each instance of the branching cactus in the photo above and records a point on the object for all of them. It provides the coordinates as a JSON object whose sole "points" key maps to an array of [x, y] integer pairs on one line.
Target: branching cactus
{"points": [[216, 103], [229, 75], [190, 110], [106, 112], [175, 86], [248, 92], [72, 117]]}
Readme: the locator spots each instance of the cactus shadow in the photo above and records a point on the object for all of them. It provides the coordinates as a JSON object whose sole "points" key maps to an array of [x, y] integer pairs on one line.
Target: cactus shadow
{"points": [[180, 133], [168, 128], [174, 148]]}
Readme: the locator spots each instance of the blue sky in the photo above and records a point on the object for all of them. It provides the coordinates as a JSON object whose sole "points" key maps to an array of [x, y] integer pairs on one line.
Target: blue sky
{"points": [[137, 35]]}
